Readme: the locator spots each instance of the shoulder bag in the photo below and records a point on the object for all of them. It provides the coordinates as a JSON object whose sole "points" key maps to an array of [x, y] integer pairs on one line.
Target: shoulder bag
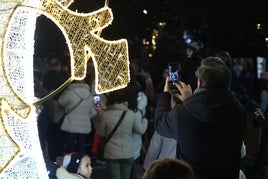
{"points": [[60, 120], [102, 143]]}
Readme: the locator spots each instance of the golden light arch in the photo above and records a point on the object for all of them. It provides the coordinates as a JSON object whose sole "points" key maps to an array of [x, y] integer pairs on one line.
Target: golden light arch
{"points": [[20, 153]]}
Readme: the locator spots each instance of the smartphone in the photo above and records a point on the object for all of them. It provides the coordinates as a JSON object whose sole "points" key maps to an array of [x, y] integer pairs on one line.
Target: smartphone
{"points": [[173, 74], [97, 100]]}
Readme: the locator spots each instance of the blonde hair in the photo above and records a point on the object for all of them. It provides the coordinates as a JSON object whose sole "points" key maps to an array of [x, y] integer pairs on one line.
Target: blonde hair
{"points": [[169, 168]]}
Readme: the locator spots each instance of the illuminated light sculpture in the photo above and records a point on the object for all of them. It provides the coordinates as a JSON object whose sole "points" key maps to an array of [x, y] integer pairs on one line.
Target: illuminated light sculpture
{"points": [[20, 152]]}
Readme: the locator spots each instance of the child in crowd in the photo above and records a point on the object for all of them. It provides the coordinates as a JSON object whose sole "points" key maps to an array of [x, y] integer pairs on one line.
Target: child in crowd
{"points": [[169, 168], [74, 166]]}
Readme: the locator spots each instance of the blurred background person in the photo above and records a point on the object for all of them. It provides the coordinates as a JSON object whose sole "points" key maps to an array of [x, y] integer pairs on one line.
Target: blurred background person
{"points": [[236, 86], [264, 92], [261, 162], [137, 101], [139, 74], [52, 79], [78, 103], [119, 150], [247, 77], [160, 147], [160, 86], [191, 63], [43, 121], [90, 80]]}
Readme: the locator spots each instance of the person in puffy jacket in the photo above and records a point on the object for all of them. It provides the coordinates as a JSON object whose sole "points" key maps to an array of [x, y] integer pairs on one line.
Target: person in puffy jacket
{"points": [[137, 101], [119, 151], [78, 103]]}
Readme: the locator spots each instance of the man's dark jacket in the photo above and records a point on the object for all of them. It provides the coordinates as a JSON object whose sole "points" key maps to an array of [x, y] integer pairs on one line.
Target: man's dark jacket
{"points": [[209, 127]]}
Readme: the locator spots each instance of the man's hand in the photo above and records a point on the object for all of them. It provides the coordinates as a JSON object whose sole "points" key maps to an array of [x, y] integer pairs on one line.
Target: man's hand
{"points": [[261, 119], [166, 87], [185, 90], [259, 114]]}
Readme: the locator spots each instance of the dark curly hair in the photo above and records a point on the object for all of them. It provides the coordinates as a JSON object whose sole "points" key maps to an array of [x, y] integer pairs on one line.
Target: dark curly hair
{"points": [[133, 89]]}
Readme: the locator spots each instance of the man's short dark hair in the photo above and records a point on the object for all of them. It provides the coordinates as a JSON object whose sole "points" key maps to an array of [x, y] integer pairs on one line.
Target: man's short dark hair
{"points": [[214, 74]]}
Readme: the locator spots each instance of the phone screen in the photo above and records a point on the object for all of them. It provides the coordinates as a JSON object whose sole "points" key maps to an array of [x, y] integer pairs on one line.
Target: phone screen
{"points": [[173, 73], [97, 100]]}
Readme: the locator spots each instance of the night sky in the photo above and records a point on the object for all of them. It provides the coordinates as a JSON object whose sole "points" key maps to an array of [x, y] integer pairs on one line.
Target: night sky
{"points": [[221, 25]]}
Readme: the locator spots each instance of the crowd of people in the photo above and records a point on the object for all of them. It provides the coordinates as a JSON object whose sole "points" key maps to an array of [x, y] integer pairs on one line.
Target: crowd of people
{"points": [[193, 131]]}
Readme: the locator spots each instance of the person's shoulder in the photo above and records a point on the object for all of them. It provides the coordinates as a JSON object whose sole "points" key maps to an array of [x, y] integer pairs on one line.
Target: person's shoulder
{"points": [[62, 173], [79, 87], [130, 112]]}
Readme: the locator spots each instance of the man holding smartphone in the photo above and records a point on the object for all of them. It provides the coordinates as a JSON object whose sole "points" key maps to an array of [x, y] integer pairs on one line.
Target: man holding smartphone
{"points": [[208, 125]]}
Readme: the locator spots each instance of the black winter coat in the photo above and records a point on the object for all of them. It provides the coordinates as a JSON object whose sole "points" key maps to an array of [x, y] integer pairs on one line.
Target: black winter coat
{"points": [[209, 128]]}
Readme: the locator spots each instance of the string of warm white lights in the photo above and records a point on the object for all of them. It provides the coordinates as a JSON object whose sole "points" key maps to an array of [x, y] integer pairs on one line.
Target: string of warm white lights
{"points": [[20, 152]]}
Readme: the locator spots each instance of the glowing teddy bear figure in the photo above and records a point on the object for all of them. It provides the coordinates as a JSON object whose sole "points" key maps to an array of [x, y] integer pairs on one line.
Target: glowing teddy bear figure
{"points": [[20, 153]]}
